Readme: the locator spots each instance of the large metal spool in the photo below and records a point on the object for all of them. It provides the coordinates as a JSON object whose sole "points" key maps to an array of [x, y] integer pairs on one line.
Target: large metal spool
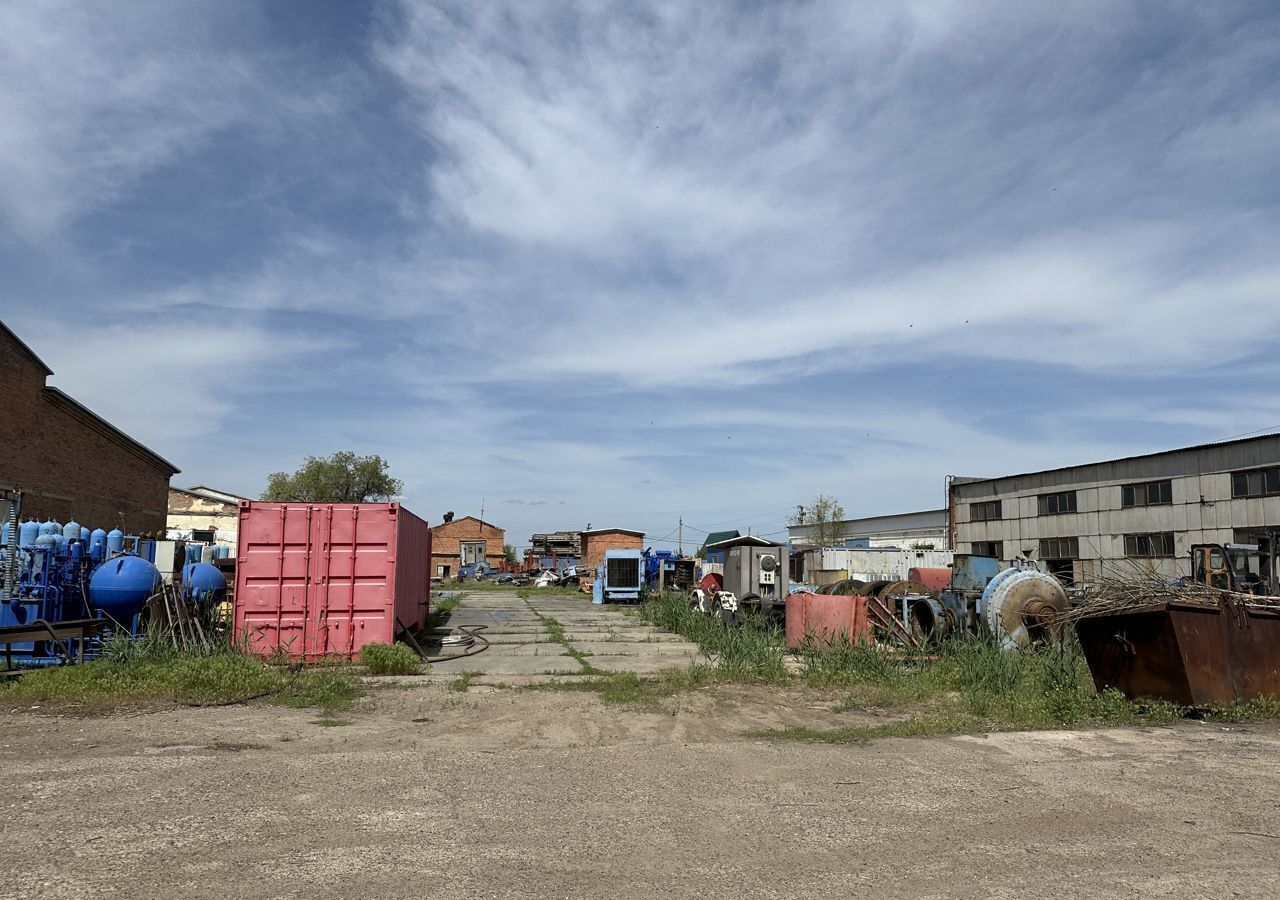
{"points": [[1022, 606]]}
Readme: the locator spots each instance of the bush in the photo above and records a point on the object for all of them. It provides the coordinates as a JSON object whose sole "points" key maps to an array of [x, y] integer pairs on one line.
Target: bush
{"points": [[390, 659]]}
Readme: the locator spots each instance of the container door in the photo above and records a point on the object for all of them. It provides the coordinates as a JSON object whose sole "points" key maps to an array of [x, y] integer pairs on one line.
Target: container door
{"points": [[352, 579], [273, 578]]}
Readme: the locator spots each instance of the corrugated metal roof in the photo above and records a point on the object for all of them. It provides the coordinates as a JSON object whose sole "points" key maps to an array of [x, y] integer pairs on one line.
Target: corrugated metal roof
{"points": [[1231, 442]]}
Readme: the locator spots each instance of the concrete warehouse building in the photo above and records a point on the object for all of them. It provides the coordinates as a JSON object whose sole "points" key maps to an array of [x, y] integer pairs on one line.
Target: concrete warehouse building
{"points": [[905, 530], [69, 462], [462, 542], [1104, 518]]}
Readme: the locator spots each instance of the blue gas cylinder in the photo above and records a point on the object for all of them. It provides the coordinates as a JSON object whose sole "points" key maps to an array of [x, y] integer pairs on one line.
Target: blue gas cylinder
{"points": [[204, 582], [115, 540], [97, 538], [71, 531], [47, 527], [28, 531], [84, 534], [120, 587]]}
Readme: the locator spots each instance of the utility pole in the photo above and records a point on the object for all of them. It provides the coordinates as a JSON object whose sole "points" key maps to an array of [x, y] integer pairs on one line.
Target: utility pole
{"points": [[680, 545]]}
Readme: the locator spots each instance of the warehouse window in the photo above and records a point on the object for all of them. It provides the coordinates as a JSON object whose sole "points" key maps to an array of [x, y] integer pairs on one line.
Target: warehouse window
{"points": [[202, 536], [1055, 504], [1147, 545], [1060, 548], [1148, 493], [1258, 483], [987, 548], [987, 511]]}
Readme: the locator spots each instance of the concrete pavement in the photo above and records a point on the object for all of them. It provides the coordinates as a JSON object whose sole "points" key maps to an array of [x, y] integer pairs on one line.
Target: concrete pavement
{"points": [[555, 635]]}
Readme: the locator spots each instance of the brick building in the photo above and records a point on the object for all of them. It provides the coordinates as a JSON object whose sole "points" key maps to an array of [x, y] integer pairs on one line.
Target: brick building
{"points": [[599, 540], [204, 514], [464, 541], [69, 462]]}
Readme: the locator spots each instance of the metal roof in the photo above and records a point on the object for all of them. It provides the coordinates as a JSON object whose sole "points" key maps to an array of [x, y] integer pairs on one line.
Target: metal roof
{"points": [[612, 531], [745, 540], [1231, 442]]}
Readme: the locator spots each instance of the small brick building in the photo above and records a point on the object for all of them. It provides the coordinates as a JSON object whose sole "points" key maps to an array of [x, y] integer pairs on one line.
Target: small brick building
{"points": [[68, 462], [596, 542], [464, 541]]}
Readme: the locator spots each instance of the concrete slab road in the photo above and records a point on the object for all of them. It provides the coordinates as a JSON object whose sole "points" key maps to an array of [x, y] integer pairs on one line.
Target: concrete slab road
{"points": [[552, 634]]}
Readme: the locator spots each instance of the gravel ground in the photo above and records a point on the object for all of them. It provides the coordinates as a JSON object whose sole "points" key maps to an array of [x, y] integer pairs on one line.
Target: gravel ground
{"points": [[518, 793]]}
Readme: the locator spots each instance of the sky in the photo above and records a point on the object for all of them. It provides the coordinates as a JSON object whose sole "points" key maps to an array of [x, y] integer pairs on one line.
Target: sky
{"points": [[618, 263]]}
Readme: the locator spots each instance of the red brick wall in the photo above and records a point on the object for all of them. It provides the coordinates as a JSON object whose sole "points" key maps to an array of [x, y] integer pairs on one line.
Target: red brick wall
{"points": [[446, 543], [595, 545], [67, 468]]}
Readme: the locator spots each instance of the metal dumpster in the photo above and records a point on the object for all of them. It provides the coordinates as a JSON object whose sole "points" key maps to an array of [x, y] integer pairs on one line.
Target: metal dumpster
{"points": [[1192, 654], [317, 580]]}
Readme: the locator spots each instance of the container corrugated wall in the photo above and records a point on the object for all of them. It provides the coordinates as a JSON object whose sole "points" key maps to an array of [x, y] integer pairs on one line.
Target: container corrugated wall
{"points": [[317, 580]]}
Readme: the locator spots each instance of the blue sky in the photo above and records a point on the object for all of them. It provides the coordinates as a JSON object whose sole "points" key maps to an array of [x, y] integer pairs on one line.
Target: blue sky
{"points": [[617, 262]]}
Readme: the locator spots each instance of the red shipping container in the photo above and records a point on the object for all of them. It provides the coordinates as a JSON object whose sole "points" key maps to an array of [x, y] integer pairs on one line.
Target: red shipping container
{"points": [[318, 580], [937, 578], [826, 619]]}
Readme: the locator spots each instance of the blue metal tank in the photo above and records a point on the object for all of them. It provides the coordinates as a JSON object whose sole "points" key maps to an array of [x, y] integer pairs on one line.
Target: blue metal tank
{"points": [[115, 540], [84, 534], [4, 535], [71, 531], [204, 582], [28, 531], [47, 527], [120, 587]]}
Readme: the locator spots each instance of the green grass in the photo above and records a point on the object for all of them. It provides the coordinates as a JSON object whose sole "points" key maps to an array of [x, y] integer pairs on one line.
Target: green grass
{"points": [[149, 673], [556, 631], [752, 651], [390, 659], [965, 685], [462, 683]]}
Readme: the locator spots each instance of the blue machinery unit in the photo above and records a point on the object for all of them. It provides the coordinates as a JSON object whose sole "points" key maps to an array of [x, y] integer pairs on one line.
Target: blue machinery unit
{"points": [[620, 579], [66, 590]]}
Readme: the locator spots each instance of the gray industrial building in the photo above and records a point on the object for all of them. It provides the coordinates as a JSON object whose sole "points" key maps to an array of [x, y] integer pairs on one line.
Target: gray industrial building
{"points": [[926, 529], [1106, 518]]}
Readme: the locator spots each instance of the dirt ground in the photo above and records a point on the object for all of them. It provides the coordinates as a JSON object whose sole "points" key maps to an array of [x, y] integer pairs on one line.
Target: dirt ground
{"points": [[518, 793]]}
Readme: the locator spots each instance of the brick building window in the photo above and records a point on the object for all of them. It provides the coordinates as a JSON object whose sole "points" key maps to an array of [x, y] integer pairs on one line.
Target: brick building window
{"points": [[1149, 493], [987, 548], [986, 511], [1147, 545], [1060, 548], [203, 536], [1056, 504], [1258, 483]]}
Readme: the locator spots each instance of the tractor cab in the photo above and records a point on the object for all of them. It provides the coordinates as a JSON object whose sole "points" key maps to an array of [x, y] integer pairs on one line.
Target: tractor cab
{"points": [[1242, 568]]}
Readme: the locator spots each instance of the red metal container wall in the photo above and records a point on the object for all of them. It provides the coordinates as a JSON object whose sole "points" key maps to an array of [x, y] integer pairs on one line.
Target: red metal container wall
{"points": [[935, 579], [826, 619], [319, 580]]}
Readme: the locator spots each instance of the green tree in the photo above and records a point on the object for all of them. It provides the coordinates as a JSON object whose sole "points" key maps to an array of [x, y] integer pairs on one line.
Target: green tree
{"points": [[824, 518], [509, 552], [341, 478]]}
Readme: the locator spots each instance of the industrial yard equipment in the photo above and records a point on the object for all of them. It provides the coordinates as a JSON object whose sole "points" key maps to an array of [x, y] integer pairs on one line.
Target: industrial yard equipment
{"points": [[665, 570], [620, 578], [65, 591]]}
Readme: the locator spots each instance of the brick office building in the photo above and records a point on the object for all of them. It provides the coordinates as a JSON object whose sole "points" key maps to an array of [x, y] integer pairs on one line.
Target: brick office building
{"points": [[461, 542], [69, 462]]}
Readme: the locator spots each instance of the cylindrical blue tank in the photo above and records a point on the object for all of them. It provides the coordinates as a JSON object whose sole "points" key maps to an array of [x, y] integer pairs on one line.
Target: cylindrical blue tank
{"points": [[84, 534], [115, 540], [204, 582], [192, 554], [71, 531], [47, 527], [4, 534], [28, 531], [224, 552], [120, 587], [97, 538]]}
